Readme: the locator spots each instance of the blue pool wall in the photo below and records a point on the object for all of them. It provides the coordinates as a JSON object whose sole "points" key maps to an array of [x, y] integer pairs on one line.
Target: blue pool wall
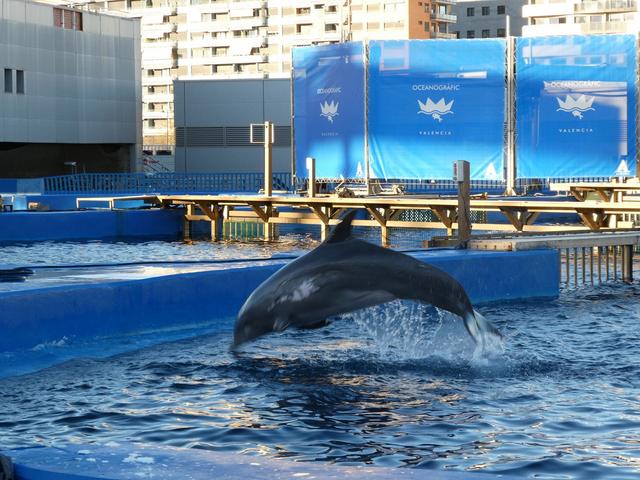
{"points": [[33, 317], [27, 226]]}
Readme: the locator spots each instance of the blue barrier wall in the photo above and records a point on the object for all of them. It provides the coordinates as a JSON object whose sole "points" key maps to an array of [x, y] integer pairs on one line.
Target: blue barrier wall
{"points": [[34, 226], [328, 89], [33, 317], [576, 106], [433, 102], [131, 461]]}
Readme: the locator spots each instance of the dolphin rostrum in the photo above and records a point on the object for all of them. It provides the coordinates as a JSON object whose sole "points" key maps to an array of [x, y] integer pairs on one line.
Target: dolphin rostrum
{"points": [[344, 274]]}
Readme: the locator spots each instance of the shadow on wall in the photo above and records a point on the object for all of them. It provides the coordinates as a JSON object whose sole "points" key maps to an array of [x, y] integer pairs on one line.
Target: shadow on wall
{"points": [[29, 160]]}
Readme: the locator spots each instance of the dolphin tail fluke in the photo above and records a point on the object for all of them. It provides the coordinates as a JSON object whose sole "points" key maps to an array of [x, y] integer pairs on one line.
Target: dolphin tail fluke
{"points": [[480, 329]]}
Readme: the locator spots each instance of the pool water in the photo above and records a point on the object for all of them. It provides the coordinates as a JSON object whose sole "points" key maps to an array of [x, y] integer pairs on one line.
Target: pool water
{"points": [[397, 385]]}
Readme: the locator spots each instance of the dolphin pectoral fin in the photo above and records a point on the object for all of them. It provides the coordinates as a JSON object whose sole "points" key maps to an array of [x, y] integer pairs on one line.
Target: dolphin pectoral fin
{"points": [[313, 326], [281, 324]]}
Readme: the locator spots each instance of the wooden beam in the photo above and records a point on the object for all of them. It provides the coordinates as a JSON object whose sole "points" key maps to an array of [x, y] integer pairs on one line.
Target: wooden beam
{"points": [[445, 215], [593, 219], [324, 218], [262, 214]]}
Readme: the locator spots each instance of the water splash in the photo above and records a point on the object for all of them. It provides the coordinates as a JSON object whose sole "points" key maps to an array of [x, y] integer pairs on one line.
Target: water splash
{"points": [[402, 330]]}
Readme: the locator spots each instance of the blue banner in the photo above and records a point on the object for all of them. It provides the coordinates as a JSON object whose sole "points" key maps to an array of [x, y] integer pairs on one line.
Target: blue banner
{"points": [[575, 106], [432, 102], [328, 90]]}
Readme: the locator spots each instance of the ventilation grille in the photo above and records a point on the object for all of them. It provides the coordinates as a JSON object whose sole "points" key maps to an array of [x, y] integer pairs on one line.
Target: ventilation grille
{"points": [[229, 136], [237, 137]]}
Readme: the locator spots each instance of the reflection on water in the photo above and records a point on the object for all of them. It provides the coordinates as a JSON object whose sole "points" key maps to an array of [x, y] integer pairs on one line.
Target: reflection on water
{"points": [[393, 386]]}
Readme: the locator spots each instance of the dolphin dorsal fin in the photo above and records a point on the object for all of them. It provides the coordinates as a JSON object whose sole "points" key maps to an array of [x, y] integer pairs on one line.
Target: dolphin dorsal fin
{"points": [[342, 231]]}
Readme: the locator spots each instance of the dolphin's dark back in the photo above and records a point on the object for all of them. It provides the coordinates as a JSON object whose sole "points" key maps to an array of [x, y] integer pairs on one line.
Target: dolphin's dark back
{"points": [[342, 275]]}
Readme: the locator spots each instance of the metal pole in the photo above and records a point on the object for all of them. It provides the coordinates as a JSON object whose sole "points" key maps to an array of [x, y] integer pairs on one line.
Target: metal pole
{"points": [[268, 164], [311, 168], [293, 126], [365, 62], [510, 111]]}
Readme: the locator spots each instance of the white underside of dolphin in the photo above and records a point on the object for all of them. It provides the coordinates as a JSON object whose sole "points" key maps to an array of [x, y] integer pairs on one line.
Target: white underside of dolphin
{"points": [[342, 275]]}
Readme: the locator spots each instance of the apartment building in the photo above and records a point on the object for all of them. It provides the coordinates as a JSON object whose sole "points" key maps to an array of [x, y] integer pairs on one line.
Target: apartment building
{"points": [[577, 17], [488, 18], [222, 39]]}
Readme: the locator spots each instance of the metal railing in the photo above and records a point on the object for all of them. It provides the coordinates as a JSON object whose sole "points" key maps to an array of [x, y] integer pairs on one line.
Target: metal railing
{"points": [[139, 183]]}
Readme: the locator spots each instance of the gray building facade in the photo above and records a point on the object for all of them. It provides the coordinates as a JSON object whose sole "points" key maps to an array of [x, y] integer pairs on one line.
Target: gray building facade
{"points": [[212, 119], [70, 91], [488, 18]]}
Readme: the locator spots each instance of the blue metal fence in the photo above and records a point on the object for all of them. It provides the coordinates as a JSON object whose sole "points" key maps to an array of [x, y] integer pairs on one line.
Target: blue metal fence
{"points": [[167, 183]]}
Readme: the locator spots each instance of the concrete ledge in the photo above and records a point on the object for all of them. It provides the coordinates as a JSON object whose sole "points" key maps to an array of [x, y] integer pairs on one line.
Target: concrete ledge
{"points": [[24, 226], [32, 317], [126, 462]]}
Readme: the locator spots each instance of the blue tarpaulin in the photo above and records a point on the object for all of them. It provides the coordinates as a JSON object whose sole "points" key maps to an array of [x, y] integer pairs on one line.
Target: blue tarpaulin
{"points": [[575, 106], [328, 86], [433, 102]]}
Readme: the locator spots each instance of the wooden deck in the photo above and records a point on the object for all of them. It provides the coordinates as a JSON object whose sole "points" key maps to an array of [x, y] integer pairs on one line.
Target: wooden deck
{"points": [[384, 212], [607, 191]]}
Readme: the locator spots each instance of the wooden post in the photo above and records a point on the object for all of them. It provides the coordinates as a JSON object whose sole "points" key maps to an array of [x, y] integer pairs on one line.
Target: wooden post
{"points": [[627, 263], [268, 158], [311, 167], [215, 223], [462, 175], [186, 228]]}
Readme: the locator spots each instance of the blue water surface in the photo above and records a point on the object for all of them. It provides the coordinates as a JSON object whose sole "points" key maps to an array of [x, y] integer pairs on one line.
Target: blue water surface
{"points": [[397, 386]]}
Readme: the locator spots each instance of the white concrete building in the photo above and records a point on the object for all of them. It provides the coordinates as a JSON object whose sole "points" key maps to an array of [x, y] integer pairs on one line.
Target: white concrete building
{"points": [[69, 90], [252, 39], [488, 18], [581, 17]]}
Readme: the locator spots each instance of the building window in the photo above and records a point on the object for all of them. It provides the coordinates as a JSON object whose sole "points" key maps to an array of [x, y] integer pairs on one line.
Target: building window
{"points": [[8, 80], [471, 34], [457, 34], [471, 12], [501, 9], [486, 33], [502, 32], [331, 27], [485, 11], [67, 19], [20, 81]]}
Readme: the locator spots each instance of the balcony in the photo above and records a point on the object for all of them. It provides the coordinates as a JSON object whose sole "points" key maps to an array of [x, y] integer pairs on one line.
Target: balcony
{"points": [[609, 27], [446, 2], [157, 97], [547, 9], [204, 8], [609, 6], [157, 30], [222, 60], [156, 115], [257, 42], [551, 29], [157, 81], [443, 35], [444, 17]]}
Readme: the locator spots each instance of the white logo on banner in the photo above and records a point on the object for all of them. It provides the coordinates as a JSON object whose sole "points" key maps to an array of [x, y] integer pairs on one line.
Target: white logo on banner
{"points": [[436, 110], [329, 110], [576, 106], [490, 173], [623, 169]]}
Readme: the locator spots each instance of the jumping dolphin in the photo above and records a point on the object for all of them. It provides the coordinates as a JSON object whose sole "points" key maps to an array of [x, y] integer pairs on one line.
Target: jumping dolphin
{"points": [[342, 275]]}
